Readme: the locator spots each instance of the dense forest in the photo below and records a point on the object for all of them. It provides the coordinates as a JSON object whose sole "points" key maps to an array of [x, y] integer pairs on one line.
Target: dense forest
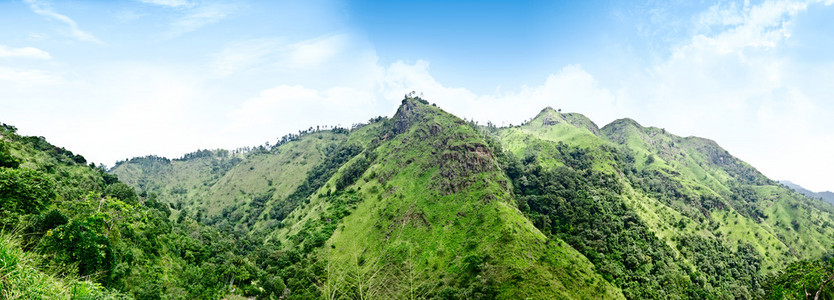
{"points": [[421, 205]]}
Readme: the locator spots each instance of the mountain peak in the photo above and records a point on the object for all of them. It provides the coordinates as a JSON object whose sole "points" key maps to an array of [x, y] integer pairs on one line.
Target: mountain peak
{"points": [[622, 123], [411, 110], [549, 117]]}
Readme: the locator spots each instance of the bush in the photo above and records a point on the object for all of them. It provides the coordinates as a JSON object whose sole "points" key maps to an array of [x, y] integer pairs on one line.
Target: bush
{"points": [[122, 191], [6, 158], [24, 191], [79, 242]]}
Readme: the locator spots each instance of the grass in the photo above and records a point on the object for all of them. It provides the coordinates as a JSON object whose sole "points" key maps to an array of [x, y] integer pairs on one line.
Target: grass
{"points": [[688, 162], [703, 168], [230, 181]]}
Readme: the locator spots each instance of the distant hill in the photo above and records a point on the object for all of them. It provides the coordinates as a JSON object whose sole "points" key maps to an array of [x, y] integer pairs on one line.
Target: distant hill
{"points": [[825, 196]]}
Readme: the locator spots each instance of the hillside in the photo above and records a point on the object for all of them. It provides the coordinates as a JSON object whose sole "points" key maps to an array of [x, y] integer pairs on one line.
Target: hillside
{"points": [[234, 189], [73, 231], [436, 217], [425, 204]]}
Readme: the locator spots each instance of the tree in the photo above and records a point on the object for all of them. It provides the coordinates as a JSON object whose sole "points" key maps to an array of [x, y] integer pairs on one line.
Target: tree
{"points": [[122, 191], [6, 158], [24, 191], [80, 242], [803, 280]]}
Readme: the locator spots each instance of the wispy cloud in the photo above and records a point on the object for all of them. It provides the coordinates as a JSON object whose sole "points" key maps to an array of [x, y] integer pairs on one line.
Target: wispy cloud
{"points": [[277, 52], [199, 15], [45, 9], [24, 52]]}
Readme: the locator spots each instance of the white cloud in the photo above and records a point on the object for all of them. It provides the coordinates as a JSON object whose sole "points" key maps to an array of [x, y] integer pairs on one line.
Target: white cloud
{"points": [[727, 81], [295, 104], [287, 108], [44, 9], [24, 52], [571, 88], [316, 51], [733, 83]]}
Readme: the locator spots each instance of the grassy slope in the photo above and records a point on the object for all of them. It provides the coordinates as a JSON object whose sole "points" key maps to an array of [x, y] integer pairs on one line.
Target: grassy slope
{"points": [[230, 181], [436, 215], [540, 134], [295, 221], [704, 169], [792, 227]]}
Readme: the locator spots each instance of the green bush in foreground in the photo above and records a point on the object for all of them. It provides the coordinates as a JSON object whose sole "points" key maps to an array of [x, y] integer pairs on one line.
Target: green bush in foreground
{"points": [[19, 279]]}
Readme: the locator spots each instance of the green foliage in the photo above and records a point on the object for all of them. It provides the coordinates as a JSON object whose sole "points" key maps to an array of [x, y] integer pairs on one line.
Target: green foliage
{"points": [[731, 272], [6, 158], [424, 205], [79, 242], [435, 220], [807, 277], [40, 224], [123, 192], [20, 278], [583, 208], [125, 245], [353, 171], [24, 191]]}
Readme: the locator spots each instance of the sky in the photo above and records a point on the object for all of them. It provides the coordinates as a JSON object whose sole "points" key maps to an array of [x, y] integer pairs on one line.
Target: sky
{"points": [[117, 79]]}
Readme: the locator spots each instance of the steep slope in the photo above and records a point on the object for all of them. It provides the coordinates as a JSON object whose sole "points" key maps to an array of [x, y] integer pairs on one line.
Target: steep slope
{"points": [[693, 204], [426, 211], [570, 184], [739, 203]]}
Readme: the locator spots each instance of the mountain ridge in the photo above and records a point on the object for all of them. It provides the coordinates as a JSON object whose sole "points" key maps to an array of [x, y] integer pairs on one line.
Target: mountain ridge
{"points": [[826, 196], [685, 200]]}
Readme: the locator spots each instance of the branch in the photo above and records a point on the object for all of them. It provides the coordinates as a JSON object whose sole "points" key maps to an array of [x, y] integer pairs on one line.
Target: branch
{"points": [[817, 296]]}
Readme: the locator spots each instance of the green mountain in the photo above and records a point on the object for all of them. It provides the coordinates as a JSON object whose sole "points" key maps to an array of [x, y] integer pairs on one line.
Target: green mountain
{"points": [[700, 213], [419, 205], [433, 207]]}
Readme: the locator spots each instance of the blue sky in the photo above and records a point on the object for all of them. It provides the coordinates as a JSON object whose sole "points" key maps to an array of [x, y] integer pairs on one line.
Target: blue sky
{"points": [[117, 79]]}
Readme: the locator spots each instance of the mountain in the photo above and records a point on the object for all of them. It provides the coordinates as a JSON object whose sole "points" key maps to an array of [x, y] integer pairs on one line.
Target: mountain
{"points": [[434, 211], [640, 202], [419, 205], [825, 196]]}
